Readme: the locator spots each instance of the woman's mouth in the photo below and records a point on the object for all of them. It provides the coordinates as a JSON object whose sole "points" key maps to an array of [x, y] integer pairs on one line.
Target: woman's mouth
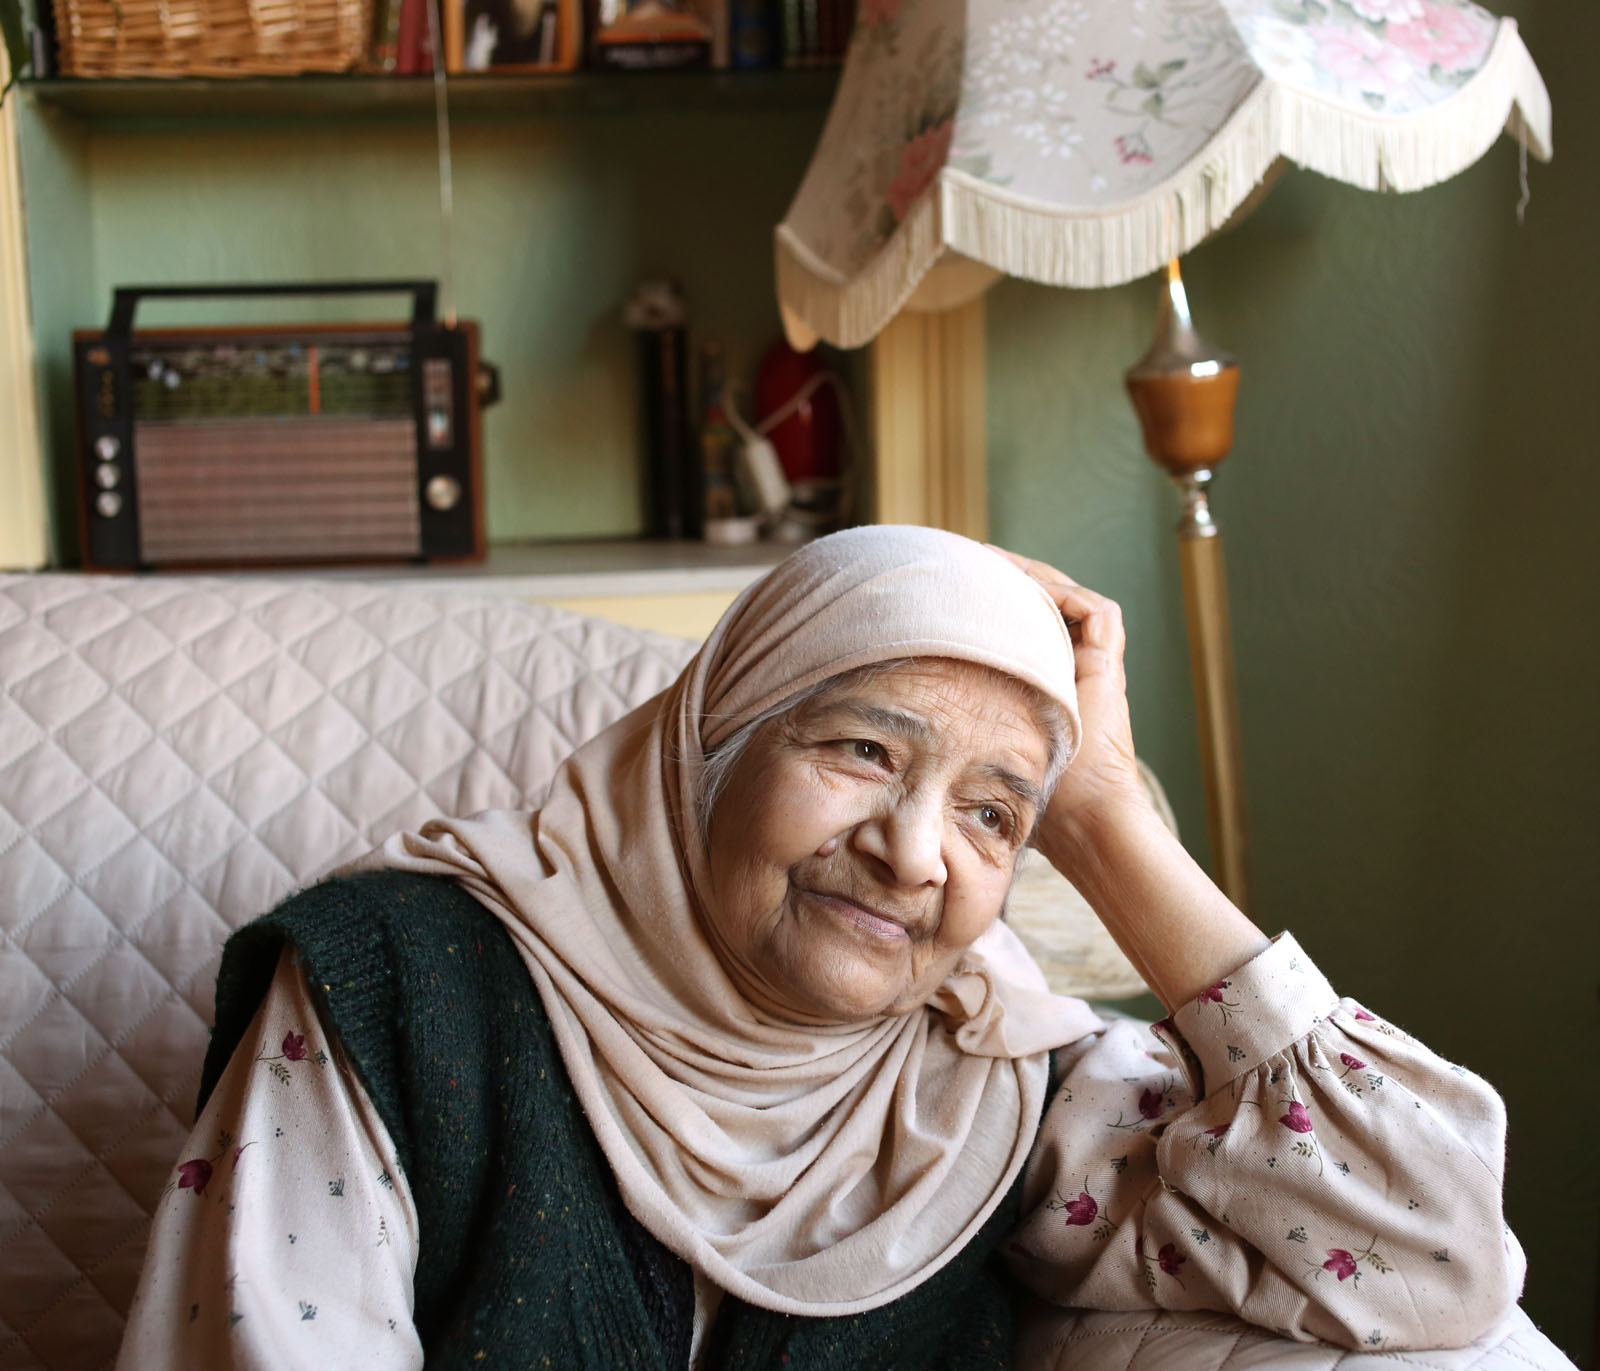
{"points": [[869, 920]]}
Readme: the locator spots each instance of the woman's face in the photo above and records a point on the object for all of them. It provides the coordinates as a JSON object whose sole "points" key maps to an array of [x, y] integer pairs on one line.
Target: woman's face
{"points": [[866, 839]]}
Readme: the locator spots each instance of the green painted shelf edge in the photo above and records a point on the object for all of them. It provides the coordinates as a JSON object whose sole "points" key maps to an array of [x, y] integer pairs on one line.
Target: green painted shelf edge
{"points": [[124, 101]]}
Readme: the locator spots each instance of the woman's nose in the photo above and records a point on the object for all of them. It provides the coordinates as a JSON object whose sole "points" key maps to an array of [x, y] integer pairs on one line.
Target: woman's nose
{"points": [[907, 838]]}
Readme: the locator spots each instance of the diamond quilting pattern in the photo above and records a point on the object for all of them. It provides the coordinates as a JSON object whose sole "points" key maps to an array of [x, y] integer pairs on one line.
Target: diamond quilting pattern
{"points": [[176, 754], [110, 730], [59, 691], [29, 880], [77, 620]]}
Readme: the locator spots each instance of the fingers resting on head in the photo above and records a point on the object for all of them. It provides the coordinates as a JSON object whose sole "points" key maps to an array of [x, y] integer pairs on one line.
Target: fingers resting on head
{"points": [[1093, 620]]}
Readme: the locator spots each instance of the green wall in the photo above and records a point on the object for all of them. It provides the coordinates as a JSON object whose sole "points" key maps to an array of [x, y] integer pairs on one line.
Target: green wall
{"points": [[1409, 517]]}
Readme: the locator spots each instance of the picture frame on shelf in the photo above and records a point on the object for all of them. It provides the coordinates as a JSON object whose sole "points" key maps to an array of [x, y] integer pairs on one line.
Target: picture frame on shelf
{"points": [[493, 36]]}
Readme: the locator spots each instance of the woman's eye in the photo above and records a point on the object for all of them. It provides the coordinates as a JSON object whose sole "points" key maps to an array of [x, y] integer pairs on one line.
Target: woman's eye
{"points": [[864, 751], [992, 817]]}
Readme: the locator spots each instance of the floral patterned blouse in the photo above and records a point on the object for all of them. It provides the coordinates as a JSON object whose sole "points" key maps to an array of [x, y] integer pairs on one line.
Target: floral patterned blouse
{"points": [[1273, 1151]]}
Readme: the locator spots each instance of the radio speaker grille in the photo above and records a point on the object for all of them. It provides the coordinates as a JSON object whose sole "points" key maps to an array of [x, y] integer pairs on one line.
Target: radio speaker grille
{"points": [[269, 490]]}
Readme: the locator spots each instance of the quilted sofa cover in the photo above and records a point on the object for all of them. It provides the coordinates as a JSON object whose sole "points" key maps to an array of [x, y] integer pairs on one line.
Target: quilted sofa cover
{"points": [[178, 753]]}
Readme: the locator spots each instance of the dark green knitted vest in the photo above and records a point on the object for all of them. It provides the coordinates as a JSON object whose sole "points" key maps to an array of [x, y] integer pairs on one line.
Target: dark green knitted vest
{"points": [[528, 1257]]}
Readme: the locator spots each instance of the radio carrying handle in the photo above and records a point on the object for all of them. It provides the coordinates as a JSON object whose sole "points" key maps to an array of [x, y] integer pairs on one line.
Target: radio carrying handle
{"points": [[125, 299]]}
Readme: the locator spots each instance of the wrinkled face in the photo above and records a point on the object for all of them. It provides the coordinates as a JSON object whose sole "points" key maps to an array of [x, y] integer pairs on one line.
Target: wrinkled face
{"points": [[866, 839]]}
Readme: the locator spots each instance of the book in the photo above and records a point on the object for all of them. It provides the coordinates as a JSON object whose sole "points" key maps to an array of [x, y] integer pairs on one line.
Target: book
{"points": [[414, 44], [385, 35]]}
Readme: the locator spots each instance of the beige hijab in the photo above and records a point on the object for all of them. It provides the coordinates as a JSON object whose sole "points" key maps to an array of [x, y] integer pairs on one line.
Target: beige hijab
{"points": [[806, 1170]]}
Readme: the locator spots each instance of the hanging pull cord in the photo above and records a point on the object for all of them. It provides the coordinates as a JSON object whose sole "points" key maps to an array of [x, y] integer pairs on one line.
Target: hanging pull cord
{"points": [[447, 196], [1522, 180]]}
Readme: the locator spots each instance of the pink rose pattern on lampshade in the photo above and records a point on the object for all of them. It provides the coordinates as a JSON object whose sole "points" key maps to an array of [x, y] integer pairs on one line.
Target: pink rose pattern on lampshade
{"points": [[920, 161], [1160, 90], [1067, 102]]}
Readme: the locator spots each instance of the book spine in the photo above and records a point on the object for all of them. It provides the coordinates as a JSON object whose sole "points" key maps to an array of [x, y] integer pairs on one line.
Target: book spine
{"points": [[672, 475], [386, 35], [453, 21], [792, 44], [408, 48]]}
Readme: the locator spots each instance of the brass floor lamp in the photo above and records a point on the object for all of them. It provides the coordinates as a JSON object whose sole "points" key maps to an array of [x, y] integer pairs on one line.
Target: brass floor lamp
{"points": [[1183, 390]]}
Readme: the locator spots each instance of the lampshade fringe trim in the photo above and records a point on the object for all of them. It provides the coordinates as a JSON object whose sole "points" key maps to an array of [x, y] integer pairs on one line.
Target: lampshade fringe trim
{"points": [[1090, 248]]}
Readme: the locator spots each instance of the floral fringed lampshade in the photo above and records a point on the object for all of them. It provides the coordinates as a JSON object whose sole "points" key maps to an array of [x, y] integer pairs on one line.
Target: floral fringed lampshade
{"points": [[1086, 142]]}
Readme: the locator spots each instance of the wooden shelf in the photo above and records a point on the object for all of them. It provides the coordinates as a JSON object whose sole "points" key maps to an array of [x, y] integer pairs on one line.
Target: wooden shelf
{"points": [[153, 100], [562, 570]]}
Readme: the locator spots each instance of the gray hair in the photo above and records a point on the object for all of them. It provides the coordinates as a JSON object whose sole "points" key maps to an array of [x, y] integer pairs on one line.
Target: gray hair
{"points": [[721, 763]]}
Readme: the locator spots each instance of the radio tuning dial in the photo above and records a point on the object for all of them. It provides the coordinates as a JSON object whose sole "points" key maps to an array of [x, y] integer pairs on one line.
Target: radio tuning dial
{"points": [[443, 492], [108, 447], [107, 475], [108, 504]]}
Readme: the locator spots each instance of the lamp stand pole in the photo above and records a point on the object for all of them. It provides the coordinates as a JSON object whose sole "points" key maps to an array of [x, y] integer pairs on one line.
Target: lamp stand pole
{"points": [[1183, 391]]}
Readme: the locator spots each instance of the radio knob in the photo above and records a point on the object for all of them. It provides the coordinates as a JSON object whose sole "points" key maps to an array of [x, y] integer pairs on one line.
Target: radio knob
{"points": [[108, 447], [107, 475], [444, 493], [108, 504]]}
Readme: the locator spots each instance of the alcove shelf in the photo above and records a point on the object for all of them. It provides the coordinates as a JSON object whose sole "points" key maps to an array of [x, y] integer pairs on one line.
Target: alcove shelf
{"points": [[569, 190]]}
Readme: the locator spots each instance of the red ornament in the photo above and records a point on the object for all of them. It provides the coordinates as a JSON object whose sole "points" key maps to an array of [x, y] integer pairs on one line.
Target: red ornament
{"points": [[808, 439]]}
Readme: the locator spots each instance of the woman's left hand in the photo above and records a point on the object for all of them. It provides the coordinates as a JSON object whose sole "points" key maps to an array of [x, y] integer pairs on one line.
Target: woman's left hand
{"points": [[1102, 832], [1104, 777]]}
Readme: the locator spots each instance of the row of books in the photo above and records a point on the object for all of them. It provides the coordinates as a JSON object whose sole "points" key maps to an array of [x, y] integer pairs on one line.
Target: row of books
{"points": [[562, 35]]}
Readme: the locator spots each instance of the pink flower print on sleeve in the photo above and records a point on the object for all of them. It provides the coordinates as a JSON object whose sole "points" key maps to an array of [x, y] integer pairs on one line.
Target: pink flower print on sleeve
{"points": [[1352, 1064], [1217, 995], [292, 1049], [1082, 1211], [1347, 1265], [195, 1175], [1364, 1016], [1169, 1260], [1340, 1262], [1151, 1107], [1297, 1118]]}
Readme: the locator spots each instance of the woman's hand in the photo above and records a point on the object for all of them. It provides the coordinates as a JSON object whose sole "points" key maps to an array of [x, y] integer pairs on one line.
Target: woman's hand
{"points": [[1103, 834], [1104, 777]]}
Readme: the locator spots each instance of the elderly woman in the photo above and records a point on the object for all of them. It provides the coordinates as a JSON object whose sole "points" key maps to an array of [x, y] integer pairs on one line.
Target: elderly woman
{"points": [[725, 1057]]}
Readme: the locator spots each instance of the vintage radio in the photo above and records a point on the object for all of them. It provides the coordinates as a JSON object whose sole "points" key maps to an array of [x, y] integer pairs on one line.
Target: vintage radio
{"points": [[278, 445]]}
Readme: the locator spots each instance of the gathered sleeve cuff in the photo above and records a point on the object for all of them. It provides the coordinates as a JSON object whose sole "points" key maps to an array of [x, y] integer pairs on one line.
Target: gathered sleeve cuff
{"points": [[1278, 1153], [1271, 1002]]}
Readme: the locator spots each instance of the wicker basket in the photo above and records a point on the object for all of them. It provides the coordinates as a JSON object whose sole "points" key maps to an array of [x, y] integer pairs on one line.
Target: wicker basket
{"points": [[210, 37]]}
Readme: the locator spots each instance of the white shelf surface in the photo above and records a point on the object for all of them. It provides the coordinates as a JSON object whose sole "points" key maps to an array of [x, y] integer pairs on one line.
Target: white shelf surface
{"points": [[576, 570]]}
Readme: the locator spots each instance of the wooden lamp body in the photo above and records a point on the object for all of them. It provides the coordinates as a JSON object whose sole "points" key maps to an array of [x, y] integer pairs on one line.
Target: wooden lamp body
{"points": [[1183, 392]]}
